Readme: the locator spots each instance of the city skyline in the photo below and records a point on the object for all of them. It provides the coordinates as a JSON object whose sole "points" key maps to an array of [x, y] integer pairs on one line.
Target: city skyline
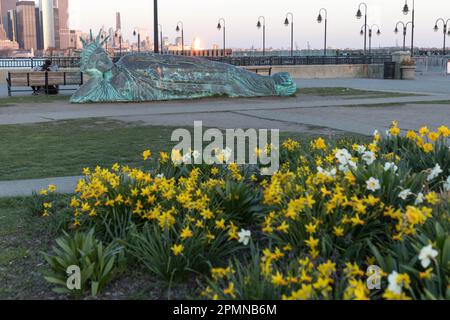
{"points": [[241, 18]]}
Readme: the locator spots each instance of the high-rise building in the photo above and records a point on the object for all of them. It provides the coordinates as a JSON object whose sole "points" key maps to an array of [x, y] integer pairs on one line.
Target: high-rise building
{"points": [[118, 22], [63, 30], [11, 25], [5, 7], [56, 26], [48, 23], [26, 25], [39, 31]]}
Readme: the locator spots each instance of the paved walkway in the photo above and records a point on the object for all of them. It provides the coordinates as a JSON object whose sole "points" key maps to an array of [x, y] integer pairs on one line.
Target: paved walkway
{"points": [[431, 84], [27, 187]]}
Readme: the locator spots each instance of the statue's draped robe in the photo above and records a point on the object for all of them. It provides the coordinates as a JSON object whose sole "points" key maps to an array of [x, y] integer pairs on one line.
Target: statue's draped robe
{"points": [[148, 77]]}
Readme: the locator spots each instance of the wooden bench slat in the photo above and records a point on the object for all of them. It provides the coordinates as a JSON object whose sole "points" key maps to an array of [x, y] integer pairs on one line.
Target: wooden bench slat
{"points": [[42, 79]]}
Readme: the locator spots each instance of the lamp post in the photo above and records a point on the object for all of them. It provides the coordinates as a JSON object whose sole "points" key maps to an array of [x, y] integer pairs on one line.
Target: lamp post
{"points": [[359, 16], [405, 30], [178, 29], [161, 38], [263, 25], [413, 23], [319, 20], [221, 25], [138, 33], [120, 42], [155, 27], [371, 34], [436, 28], [291, 22]]}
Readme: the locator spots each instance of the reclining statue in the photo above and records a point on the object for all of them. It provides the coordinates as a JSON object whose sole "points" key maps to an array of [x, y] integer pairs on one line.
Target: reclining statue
{"points": [[148, 77]]}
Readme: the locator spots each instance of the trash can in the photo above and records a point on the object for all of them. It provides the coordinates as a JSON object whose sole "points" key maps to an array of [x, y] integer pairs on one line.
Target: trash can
{"points": [[389, 70]]}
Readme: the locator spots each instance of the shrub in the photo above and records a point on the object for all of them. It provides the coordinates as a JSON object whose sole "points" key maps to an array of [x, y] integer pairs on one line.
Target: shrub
{"points": [[97, 263]]}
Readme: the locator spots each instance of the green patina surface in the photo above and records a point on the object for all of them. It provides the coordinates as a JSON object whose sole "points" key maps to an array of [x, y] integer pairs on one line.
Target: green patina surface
{"points": [[149, 77]]}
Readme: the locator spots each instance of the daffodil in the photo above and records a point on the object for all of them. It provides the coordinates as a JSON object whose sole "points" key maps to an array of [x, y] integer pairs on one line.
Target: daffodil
{"points": [[244, 237], [146, 155], [177, 249], [373, 184], [435, 172], [426, 255]]}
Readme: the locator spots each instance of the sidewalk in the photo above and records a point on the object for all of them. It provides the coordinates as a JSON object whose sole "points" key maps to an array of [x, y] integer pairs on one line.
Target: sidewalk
{"points": [[23, 188]]}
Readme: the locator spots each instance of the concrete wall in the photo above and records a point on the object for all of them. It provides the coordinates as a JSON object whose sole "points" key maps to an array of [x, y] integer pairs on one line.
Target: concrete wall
{"points": [[332, 71], [301, 72]]}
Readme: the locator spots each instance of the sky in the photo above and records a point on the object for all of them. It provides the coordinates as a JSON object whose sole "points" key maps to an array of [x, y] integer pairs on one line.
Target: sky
{"points": [[200, 18]]}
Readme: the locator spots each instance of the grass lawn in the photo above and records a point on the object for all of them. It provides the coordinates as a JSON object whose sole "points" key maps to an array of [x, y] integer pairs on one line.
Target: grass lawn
{"points": [[64, 148], [23, 238], [350, 93], [15, 100]]}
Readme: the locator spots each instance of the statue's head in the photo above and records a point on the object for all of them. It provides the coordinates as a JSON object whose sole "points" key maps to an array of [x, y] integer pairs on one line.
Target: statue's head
{"points": [[94, 59]]}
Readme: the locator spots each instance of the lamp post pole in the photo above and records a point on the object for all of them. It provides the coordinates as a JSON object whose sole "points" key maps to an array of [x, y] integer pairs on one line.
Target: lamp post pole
{"points": [[359, 16], [221, 24], [291, 22], [138, 33], [413, 22], [178, 29], [161, 38], [405, 31], [371, 34], [263, 25], [445, 25], [155, 26], [319, 20]]}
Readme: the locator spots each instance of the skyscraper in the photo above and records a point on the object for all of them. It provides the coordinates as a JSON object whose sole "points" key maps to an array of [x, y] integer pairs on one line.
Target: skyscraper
{"points": [[5, 7], [118, 22], [48, 23], [62, 27], [26, 25]]}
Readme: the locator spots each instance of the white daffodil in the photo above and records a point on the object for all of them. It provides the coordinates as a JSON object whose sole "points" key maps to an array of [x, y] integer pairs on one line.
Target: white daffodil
{"points": [[426, 254], [196, 155], [369, 157], [405, 194], [390, 166], [160, 176], [343, 156], [361, 149], [447, 185], [244, 236], [227, 154], [435, 173], [420, 199], [394, 285], [373, 184], [187, 158]]}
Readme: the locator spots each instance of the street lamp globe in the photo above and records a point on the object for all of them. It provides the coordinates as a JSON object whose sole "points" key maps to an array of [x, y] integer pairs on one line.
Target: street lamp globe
{"points": [[361, 33], [134, 33], [406, 9], [286, 22], [396, 30], [359, 14], [436, 28], [219, 26], [177, 29], [378, 33], [319, 18], [258, 25]]}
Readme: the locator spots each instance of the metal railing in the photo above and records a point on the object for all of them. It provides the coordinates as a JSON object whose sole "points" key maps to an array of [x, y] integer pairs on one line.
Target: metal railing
{"points": [[309, 60], [74, 62]]}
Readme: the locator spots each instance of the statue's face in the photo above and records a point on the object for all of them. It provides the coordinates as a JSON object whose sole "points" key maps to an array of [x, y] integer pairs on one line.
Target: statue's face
{"points": [[95, 62]]}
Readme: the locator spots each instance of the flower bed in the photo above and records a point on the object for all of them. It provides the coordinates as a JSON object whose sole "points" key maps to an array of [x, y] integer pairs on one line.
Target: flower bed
{"points": [[338, 221]]}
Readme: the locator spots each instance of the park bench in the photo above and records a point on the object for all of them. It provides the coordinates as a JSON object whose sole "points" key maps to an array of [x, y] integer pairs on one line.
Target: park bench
{"points": [[43, 79], [260, 69]]}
